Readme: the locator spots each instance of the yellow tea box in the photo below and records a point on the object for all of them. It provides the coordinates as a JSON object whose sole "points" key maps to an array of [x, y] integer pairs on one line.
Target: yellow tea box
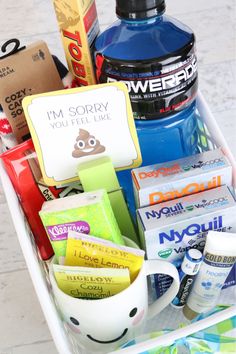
{"points": [[78, 23], [91, 283]]}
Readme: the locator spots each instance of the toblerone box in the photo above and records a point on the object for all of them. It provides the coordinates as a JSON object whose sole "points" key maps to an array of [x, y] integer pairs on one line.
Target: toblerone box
{"points": [[78, 23], [168, 229], [161, 182]]}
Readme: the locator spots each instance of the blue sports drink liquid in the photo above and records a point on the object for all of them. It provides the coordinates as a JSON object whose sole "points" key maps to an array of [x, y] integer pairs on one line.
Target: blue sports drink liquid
{"points": [[155, 56]]}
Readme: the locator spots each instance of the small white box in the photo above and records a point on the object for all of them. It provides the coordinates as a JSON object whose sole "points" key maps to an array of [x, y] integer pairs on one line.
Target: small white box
{"points": [[170, 180]]}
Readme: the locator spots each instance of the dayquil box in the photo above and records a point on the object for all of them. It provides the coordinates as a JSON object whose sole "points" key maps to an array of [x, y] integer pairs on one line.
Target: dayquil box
{"points": [[167, 181], [78, 23]]}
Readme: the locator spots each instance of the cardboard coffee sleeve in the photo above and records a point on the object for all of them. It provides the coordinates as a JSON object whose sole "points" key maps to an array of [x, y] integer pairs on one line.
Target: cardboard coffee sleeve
{"points": [[28, 72]]}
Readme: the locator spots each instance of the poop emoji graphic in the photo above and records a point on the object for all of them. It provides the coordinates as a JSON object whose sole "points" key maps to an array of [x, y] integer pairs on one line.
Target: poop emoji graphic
{"points": [[86, 144]]}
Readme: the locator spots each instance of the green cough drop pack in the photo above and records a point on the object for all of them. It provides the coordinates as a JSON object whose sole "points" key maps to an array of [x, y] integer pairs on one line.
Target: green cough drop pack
{"points": [[88, 212]]}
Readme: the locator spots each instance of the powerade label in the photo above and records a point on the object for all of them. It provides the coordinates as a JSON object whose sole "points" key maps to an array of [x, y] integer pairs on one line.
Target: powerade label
{"points": [[156, 87]]}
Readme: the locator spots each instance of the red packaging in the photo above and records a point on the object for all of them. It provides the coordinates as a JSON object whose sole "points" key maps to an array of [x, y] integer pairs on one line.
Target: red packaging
{"points": [[22, 166]]}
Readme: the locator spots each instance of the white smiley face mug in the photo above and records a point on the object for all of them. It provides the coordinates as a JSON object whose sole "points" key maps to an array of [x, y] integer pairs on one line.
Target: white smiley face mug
{"points": [[105, 324]]}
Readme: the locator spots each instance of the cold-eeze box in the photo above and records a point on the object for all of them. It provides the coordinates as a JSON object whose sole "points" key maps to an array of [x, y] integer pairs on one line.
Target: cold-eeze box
{"points": [[161, 182], [168, 229]]}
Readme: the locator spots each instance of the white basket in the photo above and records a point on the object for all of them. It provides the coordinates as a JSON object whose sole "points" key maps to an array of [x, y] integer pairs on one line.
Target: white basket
{"points": [[169, 318]]}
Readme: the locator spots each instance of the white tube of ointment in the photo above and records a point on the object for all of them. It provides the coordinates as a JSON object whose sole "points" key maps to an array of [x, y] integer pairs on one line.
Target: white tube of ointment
{"points": [[219, 258]]}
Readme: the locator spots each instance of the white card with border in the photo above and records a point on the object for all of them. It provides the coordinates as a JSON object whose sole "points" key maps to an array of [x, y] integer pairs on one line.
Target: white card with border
{"points": [[72, 126]]}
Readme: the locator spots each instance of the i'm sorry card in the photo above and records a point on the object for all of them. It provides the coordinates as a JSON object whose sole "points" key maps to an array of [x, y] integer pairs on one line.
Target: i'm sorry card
{"points": [[71, 126]]}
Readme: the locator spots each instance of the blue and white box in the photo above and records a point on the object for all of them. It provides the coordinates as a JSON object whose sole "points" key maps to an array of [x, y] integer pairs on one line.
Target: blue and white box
{"points": [[168, 229]]}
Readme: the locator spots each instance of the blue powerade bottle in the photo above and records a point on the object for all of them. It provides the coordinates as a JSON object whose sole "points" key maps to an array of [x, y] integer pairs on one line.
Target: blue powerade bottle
{"points": [[154, 55]]}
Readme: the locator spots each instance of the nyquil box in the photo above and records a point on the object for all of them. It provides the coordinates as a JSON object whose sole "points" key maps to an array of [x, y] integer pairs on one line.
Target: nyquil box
{"points": [[175, 179], [168, 229]]}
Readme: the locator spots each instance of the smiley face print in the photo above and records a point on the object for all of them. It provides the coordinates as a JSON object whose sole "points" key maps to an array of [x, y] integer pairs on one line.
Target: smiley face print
{"points": [[134, 315], [86, 144]]}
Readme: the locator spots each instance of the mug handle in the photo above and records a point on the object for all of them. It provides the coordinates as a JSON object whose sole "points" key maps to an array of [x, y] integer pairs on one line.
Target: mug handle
{"points": [[155, 266]]}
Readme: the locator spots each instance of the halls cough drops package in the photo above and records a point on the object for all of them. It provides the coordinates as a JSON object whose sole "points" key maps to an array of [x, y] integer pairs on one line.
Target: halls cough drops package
{"points": [[88, 251]]}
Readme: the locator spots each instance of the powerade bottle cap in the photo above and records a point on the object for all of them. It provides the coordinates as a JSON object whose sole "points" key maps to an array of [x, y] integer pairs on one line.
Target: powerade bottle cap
{"points": [[192, 262], [139, 9]]}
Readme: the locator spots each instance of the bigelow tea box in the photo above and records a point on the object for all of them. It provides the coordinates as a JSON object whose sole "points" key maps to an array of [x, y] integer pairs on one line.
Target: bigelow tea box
{"points": [[168, 229], [161, 182], [78, 23]]}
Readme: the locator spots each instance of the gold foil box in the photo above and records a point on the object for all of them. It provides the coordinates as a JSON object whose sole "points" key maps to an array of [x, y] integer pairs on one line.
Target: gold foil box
{"points": [[78, 23]]}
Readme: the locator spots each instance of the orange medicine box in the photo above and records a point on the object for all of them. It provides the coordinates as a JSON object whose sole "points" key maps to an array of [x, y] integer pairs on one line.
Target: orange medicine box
{"points": [[78, 23], [175, 179]]}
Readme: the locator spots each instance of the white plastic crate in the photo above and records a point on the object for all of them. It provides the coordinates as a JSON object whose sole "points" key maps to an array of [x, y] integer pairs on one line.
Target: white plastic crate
{"points": [[168, 318]]}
